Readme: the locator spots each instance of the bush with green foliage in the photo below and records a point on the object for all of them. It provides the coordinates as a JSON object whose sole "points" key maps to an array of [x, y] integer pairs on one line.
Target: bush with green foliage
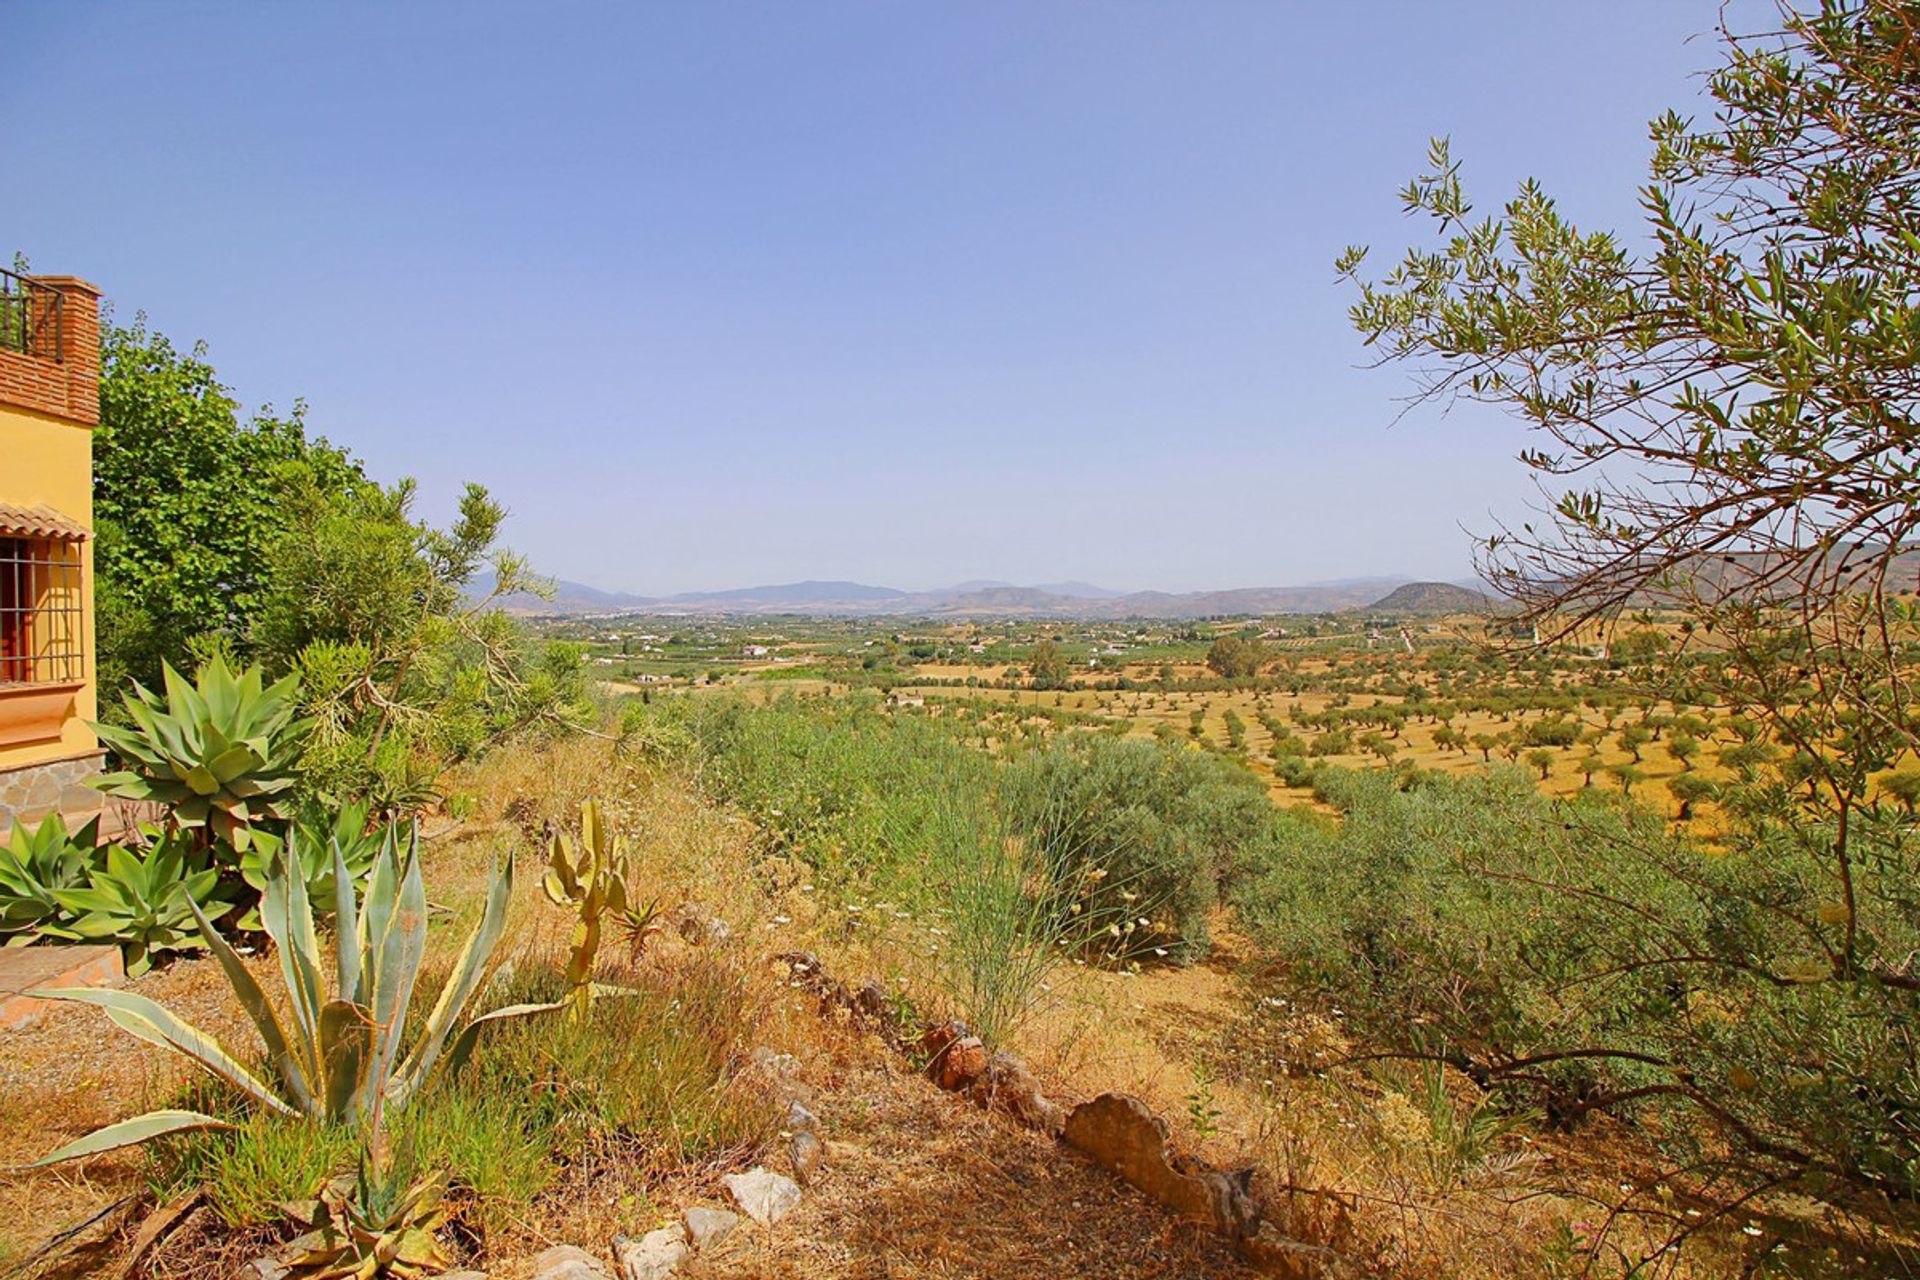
{"points": [[187, 499], [1166, 825], [1583, 956], [844, 786]]}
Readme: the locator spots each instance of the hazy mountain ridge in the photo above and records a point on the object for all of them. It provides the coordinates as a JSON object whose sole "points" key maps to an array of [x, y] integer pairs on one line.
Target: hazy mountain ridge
{"points": [[977, 598]]}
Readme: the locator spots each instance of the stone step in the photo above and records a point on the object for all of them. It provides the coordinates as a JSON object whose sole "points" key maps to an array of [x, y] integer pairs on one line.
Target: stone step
{"points": [[24, 969]]}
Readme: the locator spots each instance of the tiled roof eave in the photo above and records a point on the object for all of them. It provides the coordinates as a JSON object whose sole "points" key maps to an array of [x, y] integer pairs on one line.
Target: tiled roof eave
{"points": [[39, 522]]}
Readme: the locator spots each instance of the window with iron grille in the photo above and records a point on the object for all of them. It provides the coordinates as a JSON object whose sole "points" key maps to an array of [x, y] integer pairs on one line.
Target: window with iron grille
{"points": [[41, 608]]}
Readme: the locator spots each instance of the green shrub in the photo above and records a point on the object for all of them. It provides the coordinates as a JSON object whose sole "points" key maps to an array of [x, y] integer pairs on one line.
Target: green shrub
{"points": [[843, 786], [1164, 824], [142, 898], [1014, 906], [1584, 957]]}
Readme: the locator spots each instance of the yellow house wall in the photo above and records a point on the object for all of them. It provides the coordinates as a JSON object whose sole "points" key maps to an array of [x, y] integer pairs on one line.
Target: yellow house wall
{"points": [[45, 461]]}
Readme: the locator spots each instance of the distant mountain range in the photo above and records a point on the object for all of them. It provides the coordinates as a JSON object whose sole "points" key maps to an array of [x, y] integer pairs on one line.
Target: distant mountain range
{"points": [[980, 598]]}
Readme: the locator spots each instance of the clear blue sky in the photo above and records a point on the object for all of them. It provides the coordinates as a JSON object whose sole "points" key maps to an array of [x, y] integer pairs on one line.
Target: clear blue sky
{"points": [[719, 294]]}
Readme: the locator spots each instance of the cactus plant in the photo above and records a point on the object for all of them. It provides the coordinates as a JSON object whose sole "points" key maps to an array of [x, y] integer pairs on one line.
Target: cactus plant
{"points": [[218, 752], [338, 1058], [315, 836], [592, 879]]}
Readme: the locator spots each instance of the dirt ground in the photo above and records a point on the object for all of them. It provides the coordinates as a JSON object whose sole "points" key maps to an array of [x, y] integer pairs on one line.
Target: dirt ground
{"points": [[917, 1182]]}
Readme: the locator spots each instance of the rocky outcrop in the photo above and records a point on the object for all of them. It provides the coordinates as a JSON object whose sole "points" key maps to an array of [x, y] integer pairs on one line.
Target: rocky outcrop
{"points": [[1122, 1134]]}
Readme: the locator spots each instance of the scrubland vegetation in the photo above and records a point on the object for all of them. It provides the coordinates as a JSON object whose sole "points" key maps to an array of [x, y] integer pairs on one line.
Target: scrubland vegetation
{"points": [[1577, 944]]}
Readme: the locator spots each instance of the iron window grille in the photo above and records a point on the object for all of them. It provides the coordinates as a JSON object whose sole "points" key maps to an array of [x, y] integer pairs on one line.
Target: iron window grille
{"points": [[29, 316], [41, 612]]}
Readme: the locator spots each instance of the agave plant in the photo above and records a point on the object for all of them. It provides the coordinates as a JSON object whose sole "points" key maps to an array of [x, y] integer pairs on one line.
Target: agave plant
{"points": [[36, 862], [312, 840], [591, 879], [217, 752], [148, 900], [371, 1224], [339, 1058]]}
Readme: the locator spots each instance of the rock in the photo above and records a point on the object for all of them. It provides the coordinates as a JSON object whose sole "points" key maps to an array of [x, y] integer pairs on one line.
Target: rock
{"points": [[653, 1256], [762, 1195], [1008, 1086], [708, 1227], [964, 1061], [807, 1154], [936, 1038], [565, 1262], [1273, 1254], [872, 1001], [801, 1120], [1123, 1135], [802, 966], [780, 1072]]}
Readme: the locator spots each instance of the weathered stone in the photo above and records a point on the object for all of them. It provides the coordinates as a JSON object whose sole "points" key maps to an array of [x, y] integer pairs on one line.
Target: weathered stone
{"points": [[964, 1061], [1008, 1086], [566, 1262], [1121, 1134], [653, 1256], [872, 1001], [763, 1195], [801, 1120], [936, 1038], [28, 793], [807, 1154], [779, 1072], [1271, 1253], [708, 1227], [802, 966]]}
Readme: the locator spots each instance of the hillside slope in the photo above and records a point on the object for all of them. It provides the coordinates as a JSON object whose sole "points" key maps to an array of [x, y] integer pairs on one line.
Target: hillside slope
{"points": [[1430, 599]]}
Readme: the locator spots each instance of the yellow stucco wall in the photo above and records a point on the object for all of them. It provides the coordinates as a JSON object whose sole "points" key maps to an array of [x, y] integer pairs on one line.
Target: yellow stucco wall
{"points": [[47, 461]]}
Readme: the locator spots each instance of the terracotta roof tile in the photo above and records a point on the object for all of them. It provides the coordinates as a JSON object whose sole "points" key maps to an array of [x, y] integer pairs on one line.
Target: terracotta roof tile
{"points": [[39, 522]]}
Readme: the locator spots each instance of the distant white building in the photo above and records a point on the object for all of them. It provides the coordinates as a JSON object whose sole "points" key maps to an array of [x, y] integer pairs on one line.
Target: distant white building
{"points": [[756, 651]]}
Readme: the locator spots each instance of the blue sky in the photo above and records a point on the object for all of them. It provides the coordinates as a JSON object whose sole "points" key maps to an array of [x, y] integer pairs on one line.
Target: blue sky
{"points": [[719, 294]]}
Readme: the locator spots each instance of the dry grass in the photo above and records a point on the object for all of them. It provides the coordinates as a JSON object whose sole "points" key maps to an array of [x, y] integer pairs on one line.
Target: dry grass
{"points": [[918, 1183]]}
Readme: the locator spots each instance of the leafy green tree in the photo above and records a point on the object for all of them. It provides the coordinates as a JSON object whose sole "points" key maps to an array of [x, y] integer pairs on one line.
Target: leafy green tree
{"points": [[1729, 415], [1690, 789], [1542, 759], [1048, 666], [1683, 748], [1232, 657], [1633, 739], [1903, 786], [187, 500]]}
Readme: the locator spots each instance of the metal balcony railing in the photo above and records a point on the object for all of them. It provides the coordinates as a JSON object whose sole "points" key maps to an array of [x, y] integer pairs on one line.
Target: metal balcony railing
{"points": [[29, 316]]}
